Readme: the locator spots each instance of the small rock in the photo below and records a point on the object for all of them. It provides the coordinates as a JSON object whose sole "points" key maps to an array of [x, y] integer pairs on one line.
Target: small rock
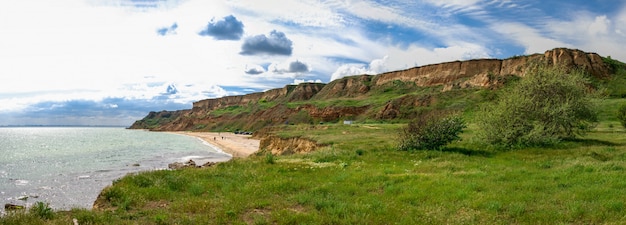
{"points": [[12, 207], [190, 163], [176, 165], [208, 164], [136, 164], [23, 198]]}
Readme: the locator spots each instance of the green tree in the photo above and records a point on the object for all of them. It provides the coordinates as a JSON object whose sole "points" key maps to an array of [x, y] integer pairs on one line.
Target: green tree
{"points": [[621, 115], [548, 105], [431, 131]]}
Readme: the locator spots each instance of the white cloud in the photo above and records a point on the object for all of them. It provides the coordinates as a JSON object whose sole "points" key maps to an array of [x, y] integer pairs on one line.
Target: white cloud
{"points": [[620, 23], [376, 66], [299, 81], [531, 38], [587, 31], [599, 26], [312, 13], [403, 58], [97, 49]]}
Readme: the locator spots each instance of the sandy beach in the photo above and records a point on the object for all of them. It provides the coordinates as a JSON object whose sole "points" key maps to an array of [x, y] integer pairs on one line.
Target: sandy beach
{"points": [[235, 144]]}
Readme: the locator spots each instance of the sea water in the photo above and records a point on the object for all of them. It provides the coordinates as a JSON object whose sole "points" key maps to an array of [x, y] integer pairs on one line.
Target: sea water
{"points": [[67, 167]]}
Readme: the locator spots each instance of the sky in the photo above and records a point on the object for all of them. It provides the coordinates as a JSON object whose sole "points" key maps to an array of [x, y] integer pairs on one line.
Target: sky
{"points": [[110, 62]]}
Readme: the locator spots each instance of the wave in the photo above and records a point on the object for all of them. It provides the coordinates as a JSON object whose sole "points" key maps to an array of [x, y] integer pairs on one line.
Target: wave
{"points": [[219, 150]]}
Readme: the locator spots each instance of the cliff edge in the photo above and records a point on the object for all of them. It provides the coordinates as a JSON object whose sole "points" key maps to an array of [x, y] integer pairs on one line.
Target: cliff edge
{"points": [[378, 97]]}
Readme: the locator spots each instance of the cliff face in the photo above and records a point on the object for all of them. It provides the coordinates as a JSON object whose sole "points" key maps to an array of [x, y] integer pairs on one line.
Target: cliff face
{"points": [[298, 92], [155, 120], [476, 73], [285, 146], [449, 75]]}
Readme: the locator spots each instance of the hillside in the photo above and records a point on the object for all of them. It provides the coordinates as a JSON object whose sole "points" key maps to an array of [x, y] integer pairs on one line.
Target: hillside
{"points": [[391, 96], [356, 174]]}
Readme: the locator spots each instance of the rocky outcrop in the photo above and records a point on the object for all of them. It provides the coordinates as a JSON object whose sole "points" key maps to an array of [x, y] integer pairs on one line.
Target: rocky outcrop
{"points": [[285, 146], [450, 75], [188, 164]]}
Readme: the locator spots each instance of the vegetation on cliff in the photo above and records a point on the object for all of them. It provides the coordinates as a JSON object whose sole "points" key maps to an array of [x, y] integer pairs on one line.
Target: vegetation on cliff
{"points": [[390, 97], [357, 176]]}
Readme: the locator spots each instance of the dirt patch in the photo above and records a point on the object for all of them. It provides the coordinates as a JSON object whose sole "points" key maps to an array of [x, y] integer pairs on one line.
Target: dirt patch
{"points": [[257, 215]]}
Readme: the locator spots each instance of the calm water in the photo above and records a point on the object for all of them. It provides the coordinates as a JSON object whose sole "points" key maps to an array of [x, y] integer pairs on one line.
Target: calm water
{"points": [[68, 167]]}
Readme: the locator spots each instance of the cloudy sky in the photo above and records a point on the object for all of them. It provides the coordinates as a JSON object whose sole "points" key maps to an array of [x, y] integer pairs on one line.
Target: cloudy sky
{"points": [[109, 62]]}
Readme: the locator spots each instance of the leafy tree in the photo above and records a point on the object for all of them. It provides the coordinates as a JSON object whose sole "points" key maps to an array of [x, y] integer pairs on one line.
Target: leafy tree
{"points": [[548, 105], [431, 131], [621, 115]]}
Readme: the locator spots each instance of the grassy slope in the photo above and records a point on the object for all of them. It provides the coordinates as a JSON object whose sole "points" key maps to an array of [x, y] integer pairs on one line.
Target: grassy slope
{"points": [[360, 179]]}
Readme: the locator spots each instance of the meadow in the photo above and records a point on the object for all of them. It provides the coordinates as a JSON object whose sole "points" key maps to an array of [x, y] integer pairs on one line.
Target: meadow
{"points": [[360, 178]]}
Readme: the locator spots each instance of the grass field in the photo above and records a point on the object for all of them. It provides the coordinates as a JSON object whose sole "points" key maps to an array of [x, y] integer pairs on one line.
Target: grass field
{"points": [[359, 178]]}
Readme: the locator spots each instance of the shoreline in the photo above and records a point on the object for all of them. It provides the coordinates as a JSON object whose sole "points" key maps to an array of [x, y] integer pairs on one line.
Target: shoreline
{"points": [[236, 145]]}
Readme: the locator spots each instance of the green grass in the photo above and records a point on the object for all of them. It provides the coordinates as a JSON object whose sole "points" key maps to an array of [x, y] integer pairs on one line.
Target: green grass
{"points": [[359, 178]]}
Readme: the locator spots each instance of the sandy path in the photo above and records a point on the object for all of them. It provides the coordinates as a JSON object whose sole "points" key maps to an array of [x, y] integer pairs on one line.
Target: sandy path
{"points": [[234, 144]]}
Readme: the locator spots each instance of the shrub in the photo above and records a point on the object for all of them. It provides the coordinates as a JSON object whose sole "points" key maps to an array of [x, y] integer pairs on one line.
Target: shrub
{"points": [[269, 158], [621, 115], [430, 131], [548, 105], [42, 210]]}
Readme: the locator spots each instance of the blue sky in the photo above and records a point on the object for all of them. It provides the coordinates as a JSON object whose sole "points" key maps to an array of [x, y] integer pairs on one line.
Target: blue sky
{"points": [[110, 62]]}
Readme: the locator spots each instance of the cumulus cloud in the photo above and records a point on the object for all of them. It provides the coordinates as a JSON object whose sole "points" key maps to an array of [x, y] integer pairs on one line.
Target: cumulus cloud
{"points": [[167, 30], [599, 26], [276, 43], [298, 67], [291, 67], [228, 28], [171, 90], [376, 66], [254, 69]]}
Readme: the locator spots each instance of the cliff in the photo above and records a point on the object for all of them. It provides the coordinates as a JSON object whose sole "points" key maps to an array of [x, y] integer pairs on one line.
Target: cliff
{"points": [[381, 97]]}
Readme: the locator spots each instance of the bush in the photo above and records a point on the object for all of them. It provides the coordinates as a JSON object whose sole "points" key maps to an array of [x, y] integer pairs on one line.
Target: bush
{"points": [[42, 210], [548, 105], [621, 115], [269, 158], [431, 131]]}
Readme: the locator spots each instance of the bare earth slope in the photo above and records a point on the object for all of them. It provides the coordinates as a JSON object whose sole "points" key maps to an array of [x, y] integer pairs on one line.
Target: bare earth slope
{"points": [[277, 106]]}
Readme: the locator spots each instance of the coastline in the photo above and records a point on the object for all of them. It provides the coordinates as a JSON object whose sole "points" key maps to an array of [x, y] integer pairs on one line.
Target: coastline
{"points": [[238, 146]]}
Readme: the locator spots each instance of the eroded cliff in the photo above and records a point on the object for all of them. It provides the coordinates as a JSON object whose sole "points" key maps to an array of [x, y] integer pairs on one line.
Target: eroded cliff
{"points": [[361, 96]]}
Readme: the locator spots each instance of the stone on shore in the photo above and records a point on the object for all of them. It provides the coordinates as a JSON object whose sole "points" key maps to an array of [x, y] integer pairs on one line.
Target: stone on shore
{"points": [[190, 163], [9, 206]]}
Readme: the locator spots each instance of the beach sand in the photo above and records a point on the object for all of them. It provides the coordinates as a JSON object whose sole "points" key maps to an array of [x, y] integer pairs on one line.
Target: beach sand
{"points": [[237, 145]]}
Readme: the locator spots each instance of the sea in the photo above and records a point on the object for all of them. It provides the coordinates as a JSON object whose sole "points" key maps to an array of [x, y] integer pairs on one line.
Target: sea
{"points": [[67, 167]]}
